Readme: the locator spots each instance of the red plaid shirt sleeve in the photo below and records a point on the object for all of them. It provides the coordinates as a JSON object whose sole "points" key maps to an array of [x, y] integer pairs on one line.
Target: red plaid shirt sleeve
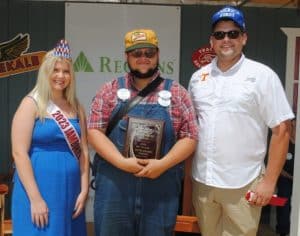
{"points": [[102, 105], [183, 114]]}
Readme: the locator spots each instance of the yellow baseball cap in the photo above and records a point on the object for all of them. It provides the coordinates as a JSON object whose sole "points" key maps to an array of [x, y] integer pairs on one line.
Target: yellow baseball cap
{"points": [[140, 38]]}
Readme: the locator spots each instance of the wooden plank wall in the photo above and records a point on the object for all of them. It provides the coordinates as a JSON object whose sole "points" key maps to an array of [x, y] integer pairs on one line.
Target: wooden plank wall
{"points": [[44, 21]]}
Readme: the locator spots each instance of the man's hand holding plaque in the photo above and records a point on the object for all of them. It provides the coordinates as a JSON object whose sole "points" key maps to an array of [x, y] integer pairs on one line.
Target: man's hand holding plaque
{"points": [[153, 168]]}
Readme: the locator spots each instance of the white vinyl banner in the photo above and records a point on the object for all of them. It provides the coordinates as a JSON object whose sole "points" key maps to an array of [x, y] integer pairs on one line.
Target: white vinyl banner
{"points": [[96, 32]]}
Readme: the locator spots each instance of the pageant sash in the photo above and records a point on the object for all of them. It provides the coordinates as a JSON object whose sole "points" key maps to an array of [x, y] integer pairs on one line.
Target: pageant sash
{"points": [[70, 133]]}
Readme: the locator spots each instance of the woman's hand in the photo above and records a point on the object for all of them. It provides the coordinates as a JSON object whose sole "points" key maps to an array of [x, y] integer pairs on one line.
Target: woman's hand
{"points": [[39, 213], [80, 204]]}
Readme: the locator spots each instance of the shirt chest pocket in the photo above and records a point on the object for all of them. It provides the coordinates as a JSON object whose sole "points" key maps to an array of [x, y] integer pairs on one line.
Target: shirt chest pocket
{"points": [[239, 95], [203, 95]]}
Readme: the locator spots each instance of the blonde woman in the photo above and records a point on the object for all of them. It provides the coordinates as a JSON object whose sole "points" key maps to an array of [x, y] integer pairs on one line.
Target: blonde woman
{"points": [[49, 148]]}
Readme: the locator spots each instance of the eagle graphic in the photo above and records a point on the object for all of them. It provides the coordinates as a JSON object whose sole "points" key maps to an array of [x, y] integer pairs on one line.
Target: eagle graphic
{"points": [[13, 48]]}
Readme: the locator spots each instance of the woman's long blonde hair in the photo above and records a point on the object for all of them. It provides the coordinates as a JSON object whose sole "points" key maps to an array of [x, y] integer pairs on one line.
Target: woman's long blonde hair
{"points": [[42, 90]]}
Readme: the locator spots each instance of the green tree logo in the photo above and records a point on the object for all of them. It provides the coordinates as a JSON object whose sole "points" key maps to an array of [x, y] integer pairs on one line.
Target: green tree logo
{"points": [[82, 64]]}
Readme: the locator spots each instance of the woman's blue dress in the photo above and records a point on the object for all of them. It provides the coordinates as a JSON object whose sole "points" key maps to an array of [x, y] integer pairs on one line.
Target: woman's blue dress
{"points": [[57, 173]]}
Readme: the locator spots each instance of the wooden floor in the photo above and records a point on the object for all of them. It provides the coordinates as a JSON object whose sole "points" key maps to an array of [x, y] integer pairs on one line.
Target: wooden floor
{"points": [[264, 230]]}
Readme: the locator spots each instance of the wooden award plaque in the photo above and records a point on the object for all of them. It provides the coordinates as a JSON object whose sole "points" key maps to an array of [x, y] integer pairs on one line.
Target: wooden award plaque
{"points": [[143, 138]]}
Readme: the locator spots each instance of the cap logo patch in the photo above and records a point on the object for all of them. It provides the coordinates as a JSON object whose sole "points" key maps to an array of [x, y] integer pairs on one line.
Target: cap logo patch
{"points": [[227, 14], [139, 36]]}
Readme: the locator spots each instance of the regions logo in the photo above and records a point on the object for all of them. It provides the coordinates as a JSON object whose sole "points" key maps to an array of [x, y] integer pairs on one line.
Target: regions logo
{"points": [[203, 56], [82, 64], [12, 57]]}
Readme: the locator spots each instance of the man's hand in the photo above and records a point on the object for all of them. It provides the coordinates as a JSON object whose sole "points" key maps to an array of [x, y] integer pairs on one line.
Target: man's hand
{"points": [[262, 194], [132, 165], [153, 168]]}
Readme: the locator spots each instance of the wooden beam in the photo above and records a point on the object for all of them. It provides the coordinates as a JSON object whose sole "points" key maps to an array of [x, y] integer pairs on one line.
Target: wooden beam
{"points": [[274, 2]]}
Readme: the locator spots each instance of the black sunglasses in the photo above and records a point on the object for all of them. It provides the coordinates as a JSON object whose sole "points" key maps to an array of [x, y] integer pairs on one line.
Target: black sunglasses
{"points": [[232, 34], [148, 53]]}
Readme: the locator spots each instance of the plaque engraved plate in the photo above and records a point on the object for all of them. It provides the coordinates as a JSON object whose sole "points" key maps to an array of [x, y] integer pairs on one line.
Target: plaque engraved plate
{"points": [[143, 138]]}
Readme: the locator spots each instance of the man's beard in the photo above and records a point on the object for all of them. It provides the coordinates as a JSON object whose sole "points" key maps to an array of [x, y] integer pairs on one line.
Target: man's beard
{"points": [[140, 75]]}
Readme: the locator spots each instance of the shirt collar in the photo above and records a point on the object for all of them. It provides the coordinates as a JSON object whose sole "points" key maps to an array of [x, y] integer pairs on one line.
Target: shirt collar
{"points": [[231, 70]]}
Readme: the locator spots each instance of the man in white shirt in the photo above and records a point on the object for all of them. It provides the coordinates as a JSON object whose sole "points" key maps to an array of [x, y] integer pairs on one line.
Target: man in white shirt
{"points": [[236, 100]]}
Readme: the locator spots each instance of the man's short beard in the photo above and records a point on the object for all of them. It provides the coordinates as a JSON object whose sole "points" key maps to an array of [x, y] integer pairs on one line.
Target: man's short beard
{"points": [[139, 75]]}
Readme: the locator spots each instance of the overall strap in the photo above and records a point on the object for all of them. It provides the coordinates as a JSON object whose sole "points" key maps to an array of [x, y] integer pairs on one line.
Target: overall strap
{"points": [[132, 102], [121, 82], [168, 84]]}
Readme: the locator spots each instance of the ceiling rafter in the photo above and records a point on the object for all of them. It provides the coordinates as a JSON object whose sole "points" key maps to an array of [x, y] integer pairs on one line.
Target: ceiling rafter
{"points": [[260, 3]]}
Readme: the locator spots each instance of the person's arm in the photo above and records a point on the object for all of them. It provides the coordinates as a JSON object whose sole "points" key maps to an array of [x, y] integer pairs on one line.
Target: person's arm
{"points": [[21, 135], [182, 149], [106, 149], [84, 166], [277, 155]]}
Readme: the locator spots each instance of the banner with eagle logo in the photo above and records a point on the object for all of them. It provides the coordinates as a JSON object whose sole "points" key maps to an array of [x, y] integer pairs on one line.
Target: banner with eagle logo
{"points": [[15, 60]]}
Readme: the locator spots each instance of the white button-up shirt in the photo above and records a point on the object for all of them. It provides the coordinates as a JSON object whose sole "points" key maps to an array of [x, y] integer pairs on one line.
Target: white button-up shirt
{"points": [[235, 109]]}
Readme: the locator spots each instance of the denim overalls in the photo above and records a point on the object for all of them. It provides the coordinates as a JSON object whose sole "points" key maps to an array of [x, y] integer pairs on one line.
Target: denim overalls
{"points": [[126, 205]]}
